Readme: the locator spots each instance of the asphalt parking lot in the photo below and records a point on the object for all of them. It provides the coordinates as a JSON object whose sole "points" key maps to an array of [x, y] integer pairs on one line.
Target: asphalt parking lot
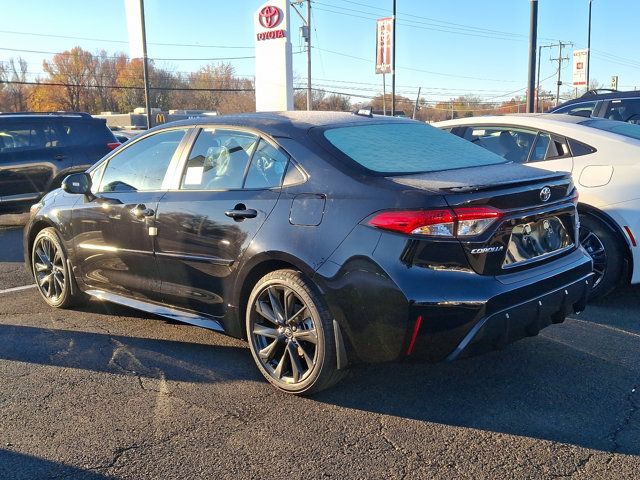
{"points": [[107, 392]]}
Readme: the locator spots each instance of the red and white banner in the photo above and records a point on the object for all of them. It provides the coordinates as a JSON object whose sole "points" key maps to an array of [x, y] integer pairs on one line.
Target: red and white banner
{"points": [[580, 59], [384, 45]]}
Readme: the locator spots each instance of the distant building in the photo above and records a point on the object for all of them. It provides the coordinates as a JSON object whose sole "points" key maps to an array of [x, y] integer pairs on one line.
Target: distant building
{"points": [[137, 120]]}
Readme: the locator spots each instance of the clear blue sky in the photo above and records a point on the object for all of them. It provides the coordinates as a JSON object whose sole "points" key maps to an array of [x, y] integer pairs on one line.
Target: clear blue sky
{"points": [[439, 43]]}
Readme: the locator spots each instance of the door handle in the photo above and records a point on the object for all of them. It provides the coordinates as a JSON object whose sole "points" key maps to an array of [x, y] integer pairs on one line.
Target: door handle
{"points": [[141, 210], [241, 214]]}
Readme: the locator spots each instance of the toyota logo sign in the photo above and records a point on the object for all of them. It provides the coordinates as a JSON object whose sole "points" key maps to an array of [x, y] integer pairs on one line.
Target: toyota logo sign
{"points": [[269, 16], [545, 194]]}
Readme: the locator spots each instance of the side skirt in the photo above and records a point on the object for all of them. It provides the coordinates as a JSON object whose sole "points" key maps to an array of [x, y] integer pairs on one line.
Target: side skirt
{"points": [[161, 310]]}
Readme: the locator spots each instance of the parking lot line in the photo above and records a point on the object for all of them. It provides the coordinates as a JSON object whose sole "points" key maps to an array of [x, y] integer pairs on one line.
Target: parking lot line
{"points": [[17, 289]]}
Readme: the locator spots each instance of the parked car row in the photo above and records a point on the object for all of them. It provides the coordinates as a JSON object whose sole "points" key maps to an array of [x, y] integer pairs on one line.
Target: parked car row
{"points": [[328, 239]]}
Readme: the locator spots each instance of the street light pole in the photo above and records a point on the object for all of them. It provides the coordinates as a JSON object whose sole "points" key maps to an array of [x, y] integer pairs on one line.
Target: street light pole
{"points": [[533, 39], [145, 66], [393, 63], [589, 47]]}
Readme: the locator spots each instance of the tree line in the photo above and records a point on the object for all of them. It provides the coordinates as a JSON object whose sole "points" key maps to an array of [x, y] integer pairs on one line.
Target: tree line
{"points": [[78, 80]]}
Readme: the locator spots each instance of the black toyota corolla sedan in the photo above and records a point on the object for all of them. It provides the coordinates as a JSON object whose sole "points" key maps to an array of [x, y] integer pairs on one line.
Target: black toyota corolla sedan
{"points": [[324, 239]]}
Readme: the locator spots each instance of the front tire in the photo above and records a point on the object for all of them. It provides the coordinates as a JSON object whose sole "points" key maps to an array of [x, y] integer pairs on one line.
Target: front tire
{"points": [[290, 333], [606, 252], [51, 272]]}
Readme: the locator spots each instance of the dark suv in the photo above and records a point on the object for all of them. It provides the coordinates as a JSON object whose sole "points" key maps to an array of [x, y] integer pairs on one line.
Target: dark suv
{"points": [[37, 150], [611, 104]]}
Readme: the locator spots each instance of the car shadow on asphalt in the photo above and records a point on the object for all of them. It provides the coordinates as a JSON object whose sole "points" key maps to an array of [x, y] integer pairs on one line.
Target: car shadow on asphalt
{"points": [[574, 384], [126, 355], [19, 466], [571, 384]]}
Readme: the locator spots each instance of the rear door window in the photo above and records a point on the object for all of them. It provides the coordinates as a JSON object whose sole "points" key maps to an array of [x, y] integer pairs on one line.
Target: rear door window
{"points": [[625, 110], [267, 167], [513, 144], [218, 160]]}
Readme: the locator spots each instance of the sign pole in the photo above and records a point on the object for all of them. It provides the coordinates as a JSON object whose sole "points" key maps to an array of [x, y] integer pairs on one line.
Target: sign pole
{"points": [[533, 39], [589, 46], [393, 62], [384, 95], [145, 66]]}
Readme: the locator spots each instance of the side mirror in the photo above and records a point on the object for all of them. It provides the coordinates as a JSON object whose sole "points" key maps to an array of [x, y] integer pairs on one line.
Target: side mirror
{"points": [[77, 183]]}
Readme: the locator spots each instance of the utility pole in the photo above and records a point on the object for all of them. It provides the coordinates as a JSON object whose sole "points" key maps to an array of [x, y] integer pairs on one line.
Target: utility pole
{"points": [[589, 47], [308, 54], [538, 109], [560, 59], [393, 63], [415, 106], [533, 39], [145, 66], [305, 32]]}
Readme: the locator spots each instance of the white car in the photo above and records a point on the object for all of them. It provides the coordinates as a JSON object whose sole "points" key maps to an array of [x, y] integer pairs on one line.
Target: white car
{"points": [[604, 159]]}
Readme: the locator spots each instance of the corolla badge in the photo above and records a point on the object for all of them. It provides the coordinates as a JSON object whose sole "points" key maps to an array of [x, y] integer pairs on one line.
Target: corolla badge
{"points": [[476, 251], [545, 194]]}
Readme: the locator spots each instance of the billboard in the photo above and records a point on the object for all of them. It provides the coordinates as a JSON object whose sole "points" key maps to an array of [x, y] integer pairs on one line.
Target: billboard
{"points": [[384, 47], [580, 59]]}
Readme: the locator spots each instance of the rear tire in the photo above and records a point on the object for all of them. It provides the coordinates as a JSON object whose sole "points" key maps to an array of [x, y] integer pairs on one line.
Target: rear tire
{"points": [[607, 254], [54, 279], [290, 333]]}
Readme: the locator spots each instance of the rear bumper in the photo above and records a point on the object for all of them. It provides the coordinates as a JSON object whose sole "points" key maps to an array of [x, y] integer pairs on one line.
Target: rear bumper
{"points": [[525, 319], [389, 310]]}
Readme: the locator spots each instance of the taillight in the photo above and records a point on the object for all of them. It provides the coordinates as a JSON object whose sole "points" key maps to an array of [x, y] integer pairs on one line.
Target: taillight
{"points": [[575, 196], [114, 145], [445, 222]]}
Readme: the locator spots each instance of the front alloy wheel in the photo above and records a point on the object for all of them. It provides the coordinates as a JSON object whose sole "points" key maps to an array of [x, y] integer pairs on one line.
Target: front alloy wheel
{"points": [[51, 272], [48, 268], [290, 335]]}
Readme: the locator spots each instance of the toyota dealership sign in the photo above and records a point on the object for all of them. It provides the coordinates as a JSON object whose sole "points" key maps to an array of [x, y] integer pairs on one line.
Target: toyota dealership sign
{"points": [[270, 17], [274, 74]]}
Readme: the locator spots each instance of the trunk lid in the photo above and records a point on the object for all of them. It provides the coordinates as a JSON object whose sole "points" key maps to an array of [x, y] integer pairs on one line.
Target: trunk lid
{"points": [[538, 221]]}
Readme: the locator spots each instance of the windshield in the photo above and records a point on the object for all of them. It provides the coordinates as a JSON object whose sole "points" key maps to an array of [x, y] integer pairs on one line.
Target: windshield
{"points": [[407, 148], [629, 130]]}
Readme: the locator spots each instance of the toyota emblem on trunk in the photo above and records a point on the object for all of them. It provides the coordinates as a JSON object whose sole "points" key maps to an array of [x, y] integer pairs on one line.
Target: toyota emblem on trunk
{"points": [[545, 194]]}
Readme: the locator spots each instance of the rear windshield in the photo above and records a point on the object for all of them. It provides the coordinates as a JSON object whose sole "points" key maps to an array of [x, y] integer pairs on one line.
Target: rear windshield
{"points": [[629, 130], [407, 148]]}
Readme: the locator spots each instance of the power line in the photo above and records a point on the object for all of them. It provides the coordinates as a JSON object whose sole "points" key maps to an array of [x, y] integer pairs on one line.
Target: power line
{"points": [[440, 24], [106, 40], [125, 56], [420, 26], [419, 70], [126, 87]]}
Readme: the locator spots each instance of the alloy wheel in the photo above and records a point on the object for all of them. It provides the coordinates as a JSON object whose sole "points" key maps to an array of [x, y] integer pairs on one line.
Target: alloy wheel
{"points": [[284, 334], [594, 246], [48, 268]]}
